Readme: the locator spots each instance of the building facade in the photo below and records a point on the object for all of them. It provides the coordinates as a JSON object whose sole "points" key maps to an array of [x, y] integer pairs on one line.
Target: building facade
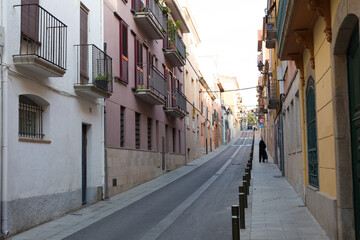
{"points": [[55, 77], [322, 39], [145, 115]]}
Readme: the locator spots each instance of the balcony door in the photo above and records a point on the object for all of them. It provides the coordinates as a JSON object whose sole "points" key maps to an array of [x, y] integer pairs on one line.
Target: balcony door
{"points": [[353, 57], [84, 51]]}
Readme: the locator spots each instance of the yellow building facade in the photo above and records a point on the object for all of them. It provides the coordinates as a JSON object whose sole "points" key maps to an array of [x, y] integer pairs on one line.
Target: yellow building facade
{"points": [[322, 38]]}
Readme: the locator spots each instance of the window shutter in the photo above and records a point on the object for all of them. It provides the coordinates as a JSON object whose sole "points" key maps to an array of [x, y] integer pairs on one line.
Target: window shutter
{"points": [[30, 20], [84, 55]]}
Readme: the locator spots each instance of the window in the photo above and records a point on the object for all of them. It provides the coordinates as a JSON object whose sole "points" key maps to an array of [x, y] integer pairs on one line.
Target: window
{"points": [[30, 118], [137, 130], [84, 55], [139, 73], [149, 132], [124, 61], [122, 127], [30, 20]]}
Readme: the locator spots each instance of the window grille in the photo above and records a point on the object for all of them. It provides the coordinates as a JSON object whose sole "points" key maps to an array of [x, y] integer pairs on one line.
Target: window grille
{"points": [[30, 119], [122, 127], [149, 132], [137, 130]]}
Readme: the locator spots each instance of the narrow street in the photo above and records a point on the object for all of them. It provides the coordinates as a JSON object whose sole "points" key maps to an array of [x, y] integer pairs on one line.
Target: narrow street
{"points": [[195, 206]]}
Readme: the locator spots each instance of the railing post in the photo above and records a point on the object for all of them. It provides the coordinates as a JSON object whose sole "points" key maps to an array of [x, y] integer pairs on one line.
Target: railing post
{"points": [[235, 222]]}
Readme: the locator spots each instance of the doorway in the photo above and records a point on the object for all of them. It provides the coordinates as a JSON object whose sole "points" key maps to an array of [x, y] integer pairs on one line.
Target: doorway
{"points": [[83, 164], [353, 57]]}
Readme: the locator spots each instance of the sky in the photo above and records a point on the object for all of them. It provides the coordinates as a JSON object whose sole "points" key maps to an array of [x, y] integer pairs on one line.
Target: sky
{"points": [[228, 30]]}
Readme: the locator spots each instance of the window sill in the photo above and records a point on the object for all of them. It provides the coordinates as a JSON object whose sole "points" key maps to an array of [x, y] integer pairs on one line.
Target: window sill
{"points": [[32, 140]]}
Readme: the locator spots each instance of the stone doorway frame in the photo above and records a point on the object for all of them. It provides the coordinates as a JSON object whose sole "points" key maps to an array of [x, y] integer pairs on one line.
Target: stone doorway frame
{"points": [[346, 17]]}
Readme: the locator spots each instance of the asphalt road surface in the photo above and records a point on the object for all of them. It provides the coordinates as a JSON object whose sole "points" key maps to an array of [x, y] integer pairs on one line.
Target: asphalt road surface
{"points": [[195, 206]]}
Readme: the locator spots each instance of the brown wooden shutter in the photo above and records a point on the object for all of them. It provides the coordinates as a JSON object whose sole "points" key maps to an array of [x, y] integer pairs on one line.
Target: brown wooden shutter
{"points": [[30, 20], [84, 51]]}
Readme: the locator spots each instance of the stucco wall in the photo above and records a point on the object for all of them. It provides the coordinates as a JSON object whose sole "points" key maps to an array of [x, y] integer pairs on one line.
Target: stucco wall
{"points": [[41, 177], [324, 107]]}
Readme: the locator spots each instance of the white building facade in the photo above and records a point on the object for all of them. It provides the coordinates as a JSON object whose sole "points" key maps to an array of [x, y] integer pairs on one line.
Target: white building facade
{"points": [[54, 82]]}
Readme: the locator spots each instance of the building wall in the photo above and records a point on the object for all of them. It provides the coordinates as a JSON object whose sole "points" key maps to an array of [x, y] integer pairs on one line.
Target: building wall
{"points": [[294, 169], [139, 165], [44, 177]]}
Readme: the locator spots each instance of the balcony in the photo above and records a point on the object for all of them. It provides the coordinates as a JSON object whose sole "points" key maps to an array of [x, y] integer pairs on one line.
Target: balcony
{"points": [[43, 42], [270, 44], [273, 94], [177, 14], [175, 51], [94, 72], [150, 17], [154, 91], [271, 32], [176, 104]]}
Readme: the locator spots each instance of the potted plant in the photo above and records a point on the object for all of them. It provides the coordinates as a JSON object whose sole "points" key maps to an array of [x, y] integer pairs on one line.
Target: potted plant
{"points": [[172, 31], [102, 81]]}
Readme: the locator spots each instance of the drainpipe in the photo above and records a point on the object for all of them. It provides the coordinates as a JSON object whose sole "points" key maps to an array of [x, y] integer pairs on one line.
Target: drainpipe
{"points": [[105, 158], [4, 153], [206, 132], [105, 145]]}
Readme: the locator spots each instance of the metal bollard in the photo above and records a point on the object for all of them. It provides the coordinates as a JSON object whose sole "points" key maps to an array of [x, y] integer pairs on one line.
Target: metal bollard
{"points": [[247, 180], [248, 171], [242, 197], [248, 166], [235, 222], [242, 190], [245, 186]]}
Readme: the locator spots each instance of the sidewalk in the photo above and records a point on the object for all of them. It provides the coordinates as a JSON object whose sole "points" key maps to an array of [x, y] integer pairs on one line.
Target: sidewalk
{"points": [[69, 224], [276, 211]]}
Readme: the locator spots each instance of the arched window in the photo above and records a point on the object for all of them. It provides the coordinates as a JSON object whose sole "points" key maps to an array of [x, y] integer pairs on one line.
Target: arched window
{"points": [[30, 118], [311, 134]]}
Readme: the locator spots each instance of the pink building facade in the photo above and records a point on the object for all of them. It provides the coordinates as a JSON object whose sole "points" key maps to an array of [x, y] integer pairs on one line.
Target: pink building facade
{"points": [[145, 115]]}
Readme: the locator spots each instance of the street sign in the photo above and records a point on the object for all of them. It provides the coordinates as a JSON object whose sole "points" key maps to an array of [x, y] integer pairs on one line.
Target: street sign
{"points": [[261, 120], [261, 125]]}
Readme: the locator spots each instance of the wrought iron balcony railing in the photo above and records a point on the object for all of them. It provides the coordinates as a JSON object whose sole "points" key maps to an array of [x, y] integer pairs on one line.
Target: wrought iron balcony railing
{"points": [[150, 85], [176, 100], [94, 67], [175, 50], [273, 93], [157, 82], [155, 11], [43, 36]]}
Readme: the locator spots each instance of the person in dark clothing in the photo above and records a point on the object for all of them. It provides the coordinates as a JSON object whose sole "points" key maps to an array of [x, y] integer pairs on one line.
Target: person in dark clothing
{"points": [[262, 151]]}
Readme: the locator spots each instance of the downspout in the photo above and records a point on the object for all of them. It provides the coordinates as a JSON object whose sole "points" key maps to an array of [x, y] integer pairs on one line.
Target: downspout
{"points": [[4, 140], [4, 154], [105, 146], [105, 153], [185, 147], [206, 132]]}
